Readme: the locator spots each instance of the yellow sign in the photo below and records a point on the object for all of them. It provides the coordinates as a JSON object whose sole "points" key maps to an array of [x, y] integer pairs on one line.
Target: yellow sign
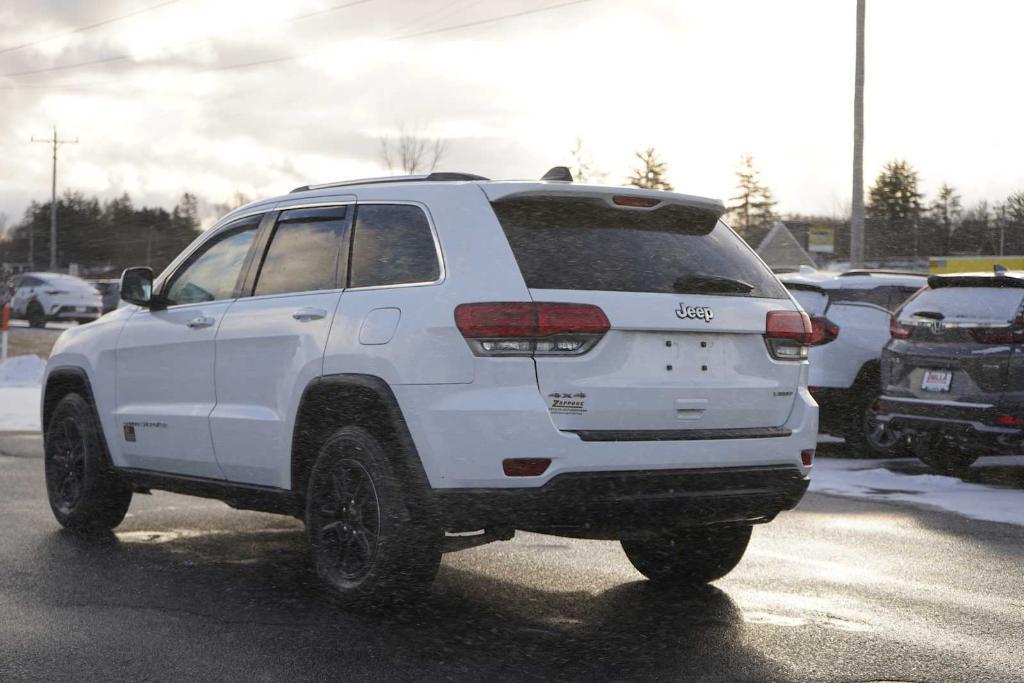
{"points": [[821, 239], [972, 264]]}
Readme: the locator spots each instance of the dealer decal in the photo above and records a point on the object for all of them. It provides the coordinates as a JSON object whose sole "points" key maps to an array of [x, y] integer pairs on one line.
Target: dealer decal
{"points": [[567, 404]]}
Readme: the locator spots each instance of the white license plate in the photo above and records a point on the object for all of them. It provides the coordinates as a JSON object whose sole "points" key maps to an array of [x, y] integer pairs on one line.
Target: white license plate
{"points": [[936, 380]]}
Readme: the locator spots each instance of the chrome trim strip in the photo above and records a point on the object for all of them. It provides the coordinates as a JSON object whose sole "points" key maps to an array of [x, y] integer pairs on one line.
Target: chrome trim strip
{"points": [[951, 404]]}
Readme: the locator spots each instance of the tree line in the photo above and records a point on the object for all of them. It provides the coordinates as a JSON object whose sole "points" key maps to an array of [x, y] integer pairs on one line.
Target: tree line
{"points": [[900, 222], [102, 237]]}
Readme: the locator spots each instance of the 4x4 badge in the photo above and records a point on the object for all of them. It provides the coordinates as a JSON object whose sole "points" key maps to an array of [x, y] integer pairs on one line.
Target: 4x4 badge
{"points": [[695, 312]]}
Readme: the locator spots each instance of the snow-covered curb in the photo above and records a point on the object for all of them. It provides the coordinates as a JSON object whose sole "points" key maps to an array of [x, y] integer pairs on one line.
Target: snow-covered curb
{"points": [[19, 393], [869, 480]]}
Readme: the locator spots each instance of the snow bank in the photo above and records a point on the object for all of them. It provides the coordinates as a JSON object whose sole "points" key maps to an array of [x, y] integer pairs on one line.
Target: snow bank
{"points": [[22, 371], [19, 393], [867, 479]]}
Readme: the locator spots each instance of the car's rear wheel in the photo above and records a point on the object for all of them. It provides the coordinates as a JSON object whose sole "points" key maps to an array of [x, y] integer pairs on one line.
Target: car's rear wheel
{"points": [[365, 543], [84, 491], [941, 455], [867, 436], [688, 556], [36, 316]]}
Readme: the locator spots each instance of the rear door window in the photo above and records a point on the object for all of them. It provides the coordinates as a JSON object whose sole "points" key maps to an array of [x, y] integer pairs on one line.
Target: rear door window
{"points": [[392, 244], [305, 251], [584, 243]]}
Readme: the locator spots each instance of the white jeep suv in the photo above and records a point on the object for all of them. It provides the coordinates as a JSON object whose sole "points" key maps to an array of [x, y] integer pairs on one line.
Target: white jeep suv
{"points": [[850, 313], [422, 364]]}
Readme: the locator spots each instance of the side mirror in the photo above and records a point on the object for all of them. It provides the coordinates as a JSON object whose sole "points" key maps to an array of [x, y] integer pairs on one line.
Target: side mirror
{"points": [[137, 287]]}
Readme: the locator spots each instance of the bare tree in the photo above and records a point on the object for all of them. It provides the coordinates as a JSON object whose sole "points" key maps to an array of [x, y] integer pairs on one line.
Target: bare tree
{"points": [[236, 200], [411, 153], [583, 166]]}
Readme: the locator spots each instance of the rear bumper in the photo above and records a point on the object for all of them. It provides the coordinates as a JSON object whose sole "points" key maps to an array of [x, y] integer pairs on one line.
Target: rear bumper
{"points": [[613, 504], [970, 423], [464, 432]]}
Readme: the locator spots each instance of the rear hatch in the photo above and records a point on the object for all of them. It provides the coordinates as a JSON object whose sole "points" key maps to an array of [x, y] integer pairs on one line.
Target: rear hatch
{"points": [[686, 302], [954, 341]]}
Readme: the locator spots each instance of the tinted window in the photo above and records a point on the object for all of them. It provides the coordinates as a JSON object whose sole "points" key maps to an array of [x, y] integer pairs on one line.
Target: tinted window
{"points": [[28, 281], [991, 305], [392, 245], [213, 273], [303, 253], [564, 243]]}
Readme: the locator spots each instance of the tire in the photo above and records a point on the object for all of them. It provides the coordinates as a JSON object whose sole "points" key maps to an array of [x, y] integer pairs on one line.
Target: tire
{"points": [[36, 316], [85, 493], [866, 437], [942, 456], [690, 556], [365, 544]]}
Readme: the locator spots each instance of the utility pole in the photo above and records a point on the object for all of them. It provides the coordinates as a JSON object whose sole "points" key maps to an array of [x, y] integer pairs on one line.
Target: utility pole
{"points": [[857, 212], [56, 142]]}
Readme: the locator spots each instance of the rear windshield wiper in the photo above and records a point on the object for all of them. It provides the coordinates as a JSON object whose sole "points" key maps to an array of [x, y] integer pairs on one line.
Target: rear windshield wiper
{"points": [[701, 284], [933, 315]]}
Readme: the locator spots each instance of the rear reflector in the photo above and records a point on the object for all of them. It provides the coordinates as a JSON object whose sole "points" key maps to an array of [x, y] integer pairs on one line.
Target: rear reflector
{"points": [[523, 329], [525, 467], [639, 202], [1010, 420], [807, 457]]}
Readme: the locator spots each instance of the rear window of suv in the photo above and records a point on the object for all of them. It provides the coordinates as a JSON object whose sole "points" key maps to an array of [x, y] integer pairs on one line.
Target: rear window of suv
{"points": [[584, 243], [989, 305]]}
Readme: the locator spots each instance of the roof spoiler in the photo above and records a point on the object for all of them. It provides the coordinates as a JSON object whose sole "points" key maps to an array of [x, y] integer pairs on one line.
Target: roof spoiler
{"points": [[1000, 280]]}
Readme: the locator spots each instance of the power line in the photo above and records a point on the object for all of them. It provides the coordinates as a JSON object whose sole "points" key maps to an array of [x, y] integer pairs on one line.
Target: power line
{"points": [[83, 29], [492, 20], [124, 57], [292, 57]]}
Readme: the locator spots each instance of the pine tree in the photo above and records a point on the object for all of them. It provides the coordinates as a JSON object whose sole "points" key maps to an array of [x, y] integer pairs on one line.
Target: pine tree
{"points": [[752, 206], [650, 174], [946, 211], [894, 207]]}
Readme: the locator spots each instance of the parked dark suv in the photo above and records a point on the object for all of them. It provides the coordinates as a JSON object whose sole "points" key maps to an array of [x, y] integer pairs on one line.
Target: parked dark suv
{"points": [[953, 371]]}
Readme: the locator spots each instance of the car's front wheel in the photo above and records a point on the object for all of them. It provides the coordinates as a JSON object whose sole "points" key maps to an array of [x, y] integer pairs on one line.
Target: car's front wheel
{"points": [[689, 556], [84, 491], [366, 544]]}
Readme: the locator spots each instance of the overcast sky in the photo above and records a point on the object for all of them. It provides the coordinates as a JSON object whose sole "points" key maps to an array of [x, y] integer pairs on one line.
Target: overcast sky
{"points": [[170, 109]]}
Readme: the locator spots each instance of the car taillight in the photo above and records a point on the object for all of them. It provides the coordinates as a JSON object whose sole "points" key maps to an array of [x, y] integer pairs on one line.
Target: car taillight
{"points": [[897, 331], [823, 330], [534, 328], [997, 335], [787, 334], [1010, 420]]}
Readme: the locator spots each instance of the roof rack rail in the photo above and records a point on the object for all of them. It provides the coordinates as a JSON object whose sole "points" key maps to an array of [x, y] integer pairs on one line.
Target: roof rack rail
{"points": [[437, 176], [868, 271]]}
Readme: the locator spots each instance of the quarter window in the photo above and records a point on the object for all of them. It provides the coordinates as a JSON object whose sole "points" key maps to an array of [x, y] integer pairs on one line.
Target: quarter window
{"points": [[303, 253], [392, 245], [213, 273]]}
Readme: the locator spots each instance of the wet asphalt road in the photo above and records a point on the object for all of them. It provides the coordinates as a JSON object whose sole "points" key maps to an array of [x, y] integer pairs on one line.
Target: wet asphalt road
{"points": [[190, 589]]}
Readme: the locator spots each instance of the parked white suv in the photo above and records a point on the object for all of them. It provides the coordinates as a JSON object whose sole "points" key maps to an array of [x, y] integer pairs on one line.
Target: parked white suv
{"points": [[41, 297], [415, 365], [850, 313]]}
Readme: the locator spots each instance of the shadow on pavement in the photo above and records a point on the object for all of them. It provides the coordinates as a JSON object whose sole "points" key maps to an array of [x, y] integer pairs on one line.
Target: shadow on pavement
{"points": [[266, 605]]}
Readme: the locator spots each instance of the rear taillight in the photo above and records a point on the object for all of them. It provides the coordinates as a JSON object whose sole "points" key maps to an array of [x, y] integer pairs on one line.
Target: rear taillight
{"points": [[823, 330], [997, 335], [1010, 420], [526, 329], [787, 334], [897, 331]]}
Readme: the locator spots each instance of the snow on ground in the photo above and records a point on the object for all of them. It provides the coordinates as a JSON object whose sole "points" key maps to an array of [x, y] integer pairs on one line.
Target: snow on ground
{"points": [[868, 479], [19, 393]]}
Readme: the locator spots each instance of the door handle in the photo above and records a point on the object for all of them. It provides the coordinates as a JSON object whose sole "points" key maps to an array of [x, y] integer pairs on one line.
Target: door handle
{"points": [[307, 314], [200, 322]]}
